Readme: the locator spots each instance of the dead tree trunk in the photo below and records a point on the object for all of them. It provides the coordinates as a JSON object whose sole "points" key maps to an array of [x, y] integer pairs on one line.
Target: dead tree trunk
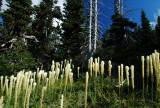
{"points": [[117, 6], [122, 7], [90, 31], [95, 28]]}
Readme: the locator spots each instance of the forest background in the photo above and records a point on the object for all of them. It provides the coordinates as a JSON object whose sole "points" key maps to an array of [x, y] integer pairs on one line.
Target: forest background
{"points": [[30, 39]]}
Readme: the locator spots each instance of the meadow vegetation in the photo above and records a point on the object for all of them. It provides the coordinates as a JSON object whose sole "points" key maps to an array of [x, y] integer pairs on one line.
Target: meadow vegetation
{"points": [[67, 86]]}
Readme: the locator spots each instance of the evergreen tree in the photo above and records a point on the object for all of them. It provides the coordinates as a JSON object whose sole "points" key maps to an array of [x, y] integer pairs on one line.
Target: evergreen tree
{"points": [[121, 37], [73, 25], [17, 17], [0, 4], [146, 28], [120, 29], [16, 59], [147, 37], [107, 46], [14, 54], [44, 31], [157, 29]]}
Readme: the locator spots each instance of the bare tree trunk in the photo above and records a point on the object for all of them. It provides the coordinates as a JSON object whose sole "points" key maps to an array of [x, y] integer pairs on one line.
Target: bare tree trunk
{"points": [[95, 28], [117, 6], [90, 31], [122, 7]]}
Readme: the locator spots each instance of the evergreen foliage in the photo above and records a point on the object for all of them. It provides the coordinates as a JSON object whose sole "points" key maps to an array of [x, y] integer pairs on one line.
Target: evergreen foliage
{"points": [[120, 29], [16, 59], [107, 46], [157, 29], [73, 26], [17, 17], [121, 38], [67, 41], [14, 55], [0, 4], [44, 31], [147, 37]]}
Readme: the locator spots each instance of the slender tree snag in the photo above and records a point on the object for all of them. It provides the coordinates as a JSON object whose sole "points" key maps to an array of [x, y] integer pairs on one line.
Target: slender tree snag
{"points": [[95, 28], [30, 37], [122, 7], [117, 6], [24, 40], [90, 31]]}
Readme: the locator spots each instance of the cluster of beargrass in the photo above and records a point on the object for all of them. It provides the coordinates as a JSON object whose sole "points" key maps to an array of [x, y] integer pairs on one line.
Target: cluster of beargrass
{"points": [[67, 86], [152, 74], [18, 91]]}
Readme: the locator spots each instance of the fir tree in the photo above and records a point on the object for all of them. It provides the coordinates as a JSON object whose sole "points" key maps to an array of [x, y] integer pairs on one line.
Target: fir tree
{"points": [[121, 37], [16, 59], [45, 32], [157, 29], [120, 29], [14, 54], [146, 28], [73, 25], [147, 37], [17, 17], [107, 46], [0, 4]]}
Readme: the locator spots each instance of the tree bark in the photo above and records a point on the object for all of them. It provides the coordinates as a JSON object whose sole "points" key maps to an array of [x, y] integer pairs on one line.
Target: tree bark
{"points": [[90, 31], [30, 37], [95, 28], [117, 6], [122, 7], [24, 40]]}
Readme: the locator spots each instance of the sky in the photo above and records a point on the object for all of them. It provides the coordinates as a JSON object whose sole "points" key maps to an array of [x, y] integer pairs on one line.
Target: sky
{"points": [[36, 2], [151, 8], [106, 9]]}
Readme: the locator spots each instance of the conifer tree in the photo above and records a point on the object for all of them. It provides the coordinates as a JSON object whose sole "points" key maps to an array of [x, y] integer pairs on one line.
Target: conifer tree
{"points": [[147, 37], [119, 30], [45, 32], [121, 37], [73, 26], [146, 28], [14, 54], [0, 4], [17, 17], [16, 59], [107, 46], [157, 29]]}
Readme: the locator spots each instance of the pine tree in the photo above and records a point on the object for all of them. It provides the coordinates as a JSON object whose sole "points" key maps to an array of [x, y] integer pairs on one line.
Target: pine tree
{"points": [[121, 38], [147, 37], [119, 30], [0, 4], [157, 29], [17, 17], [45, 32], [14, 54], [73, 25], [146, 28], [107, 46], [16, 59]]}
